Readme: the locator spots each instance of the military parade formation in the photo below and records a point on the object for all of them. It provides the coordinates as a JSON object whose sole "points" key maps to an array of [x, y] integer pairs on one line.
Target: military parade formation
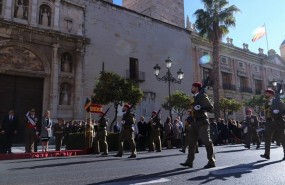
{"points": [[152, 135]]}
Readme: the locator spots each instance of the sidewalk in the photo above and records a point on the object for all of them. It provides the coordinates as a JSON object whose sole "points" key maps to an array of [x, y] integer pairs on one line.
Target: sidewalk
{"points": [[18, 152], [21, 148]]}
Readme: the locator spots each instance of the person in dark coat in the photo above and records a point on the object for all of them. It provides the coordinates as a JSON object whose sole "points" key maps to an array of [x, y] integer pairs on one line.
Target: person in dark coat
{"points": [[8, 128], [142, 131]]}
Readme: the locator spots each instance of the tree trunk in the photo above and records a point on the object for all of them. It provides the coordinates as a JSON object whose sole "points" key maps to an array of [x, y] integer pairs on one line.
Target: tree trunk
{"points": [[216, 75]]}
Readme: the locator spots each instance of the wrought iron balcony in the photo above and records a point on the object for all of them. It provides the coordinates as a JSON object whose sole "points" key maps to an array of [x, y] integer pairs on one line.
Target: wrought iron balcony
{"points": [[227, 86], [245, 89], [139, 78]]}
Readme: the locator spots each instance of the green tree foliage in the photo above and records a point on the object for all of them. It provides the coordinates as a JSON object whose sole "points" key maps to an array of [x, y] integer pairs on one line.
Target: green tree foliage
{"points": [[180, 103], [229, 105], [112, 88], [256, 103], [213, 23]]}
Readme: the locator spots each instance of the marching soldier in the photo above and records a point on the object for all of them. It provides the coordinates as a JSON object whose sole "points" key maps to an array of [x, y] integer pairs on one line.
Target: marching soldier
{"points": [[127, 133], [252, 125], [155, 140], [274, 110], [200, 128], [31, 131], [101, 135], [187, 126], [58, 133]]}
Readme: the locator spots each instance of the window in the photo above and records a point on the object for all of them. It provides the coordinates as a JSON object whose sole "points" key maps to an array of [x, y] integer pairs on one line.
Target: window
{"points": [[206, 72], [1, 7], [256, 69], [241, 65], [258, 86], [243, 81], [134, 69], [224, 61]]}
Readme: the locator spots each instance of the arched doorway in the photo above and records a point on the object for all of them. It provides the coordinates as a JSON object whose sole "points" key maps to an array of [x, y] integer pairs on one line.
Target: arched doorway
{"points": [[22, 84]]}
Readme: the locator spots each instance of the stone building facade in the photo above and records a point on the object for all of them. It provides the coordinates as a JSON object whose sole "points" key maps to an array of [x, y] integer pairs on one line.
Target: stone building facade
{"points": [[52, 52]]}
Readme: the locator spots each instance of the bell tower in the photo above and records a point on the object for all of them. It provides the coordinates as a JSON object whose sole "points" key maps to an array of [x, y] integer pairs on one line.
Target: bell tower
{"points": [[168, 11]]}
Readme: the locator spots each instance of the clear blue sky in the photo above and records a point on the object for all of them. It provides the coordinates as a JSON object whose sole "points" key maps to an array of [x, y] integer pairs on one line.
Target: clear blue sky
{"points": [[254, 13]]}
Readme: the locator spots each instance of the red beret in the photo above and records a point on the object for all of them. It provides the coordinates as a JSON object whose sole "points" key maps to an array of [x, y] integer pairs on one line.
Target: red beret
{"points": [[248, 110], [270, 91], [154, 112], [197, 84], [127, 106]]}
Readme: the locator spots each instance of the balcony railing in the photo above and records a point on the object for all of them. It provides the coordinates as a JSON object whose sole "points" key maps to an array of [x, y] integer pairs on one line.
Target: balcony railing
{"points": [[245, 89], [140, 77], [227, 86]]}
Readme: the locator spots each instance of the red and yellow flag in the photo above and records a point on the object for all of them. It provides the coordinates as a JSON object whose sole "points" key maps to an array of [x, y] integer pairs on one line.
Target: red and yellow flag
{"points": [[258, 33]]}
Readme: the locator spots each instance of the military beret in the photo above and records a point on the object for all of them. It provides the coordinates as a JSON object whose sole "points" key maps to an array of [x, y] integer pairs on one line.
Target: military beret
{"points": [[270, 91], [127, 106], [248, 110], [197, 84]]}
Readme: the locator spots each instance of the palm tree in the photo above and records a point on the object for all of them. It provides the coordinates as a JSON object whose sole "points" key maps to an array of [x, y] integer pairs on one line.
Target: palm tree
{"points": [[213, 23]]}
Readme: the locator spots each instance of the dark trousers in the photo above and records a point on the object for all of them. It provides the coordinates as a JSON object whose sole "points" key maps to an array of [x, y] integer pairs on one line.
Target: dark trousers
{"points": [[252, 136], [200, 129], [142, 139], [58, 141], [277, 128], [7, 143]]}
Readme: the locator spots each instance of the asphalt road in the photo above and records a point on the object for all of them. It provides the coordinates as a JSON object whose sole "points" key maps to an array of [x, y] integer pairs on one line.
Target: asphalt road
{"points": [[235, 165]]}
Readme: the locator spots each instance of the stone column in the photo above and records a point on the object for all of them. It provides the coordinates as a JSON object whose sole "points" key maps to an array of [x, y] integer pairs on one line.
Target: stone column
{"points": [[56, 14], [34, 12], [54, 91], [78, 86], [7, 9]]}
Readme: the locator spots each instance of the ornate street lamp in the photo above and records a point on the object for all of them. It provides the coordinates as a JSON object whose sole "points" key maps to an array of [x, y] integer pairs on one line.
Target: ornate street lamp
{"points": [[168, 78]]}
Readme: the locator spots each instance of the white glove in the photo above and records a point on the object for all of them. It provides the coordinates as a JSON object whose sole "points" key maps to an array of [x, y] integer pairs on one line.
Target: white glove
{"points": [[197, 107], [275, 111]]}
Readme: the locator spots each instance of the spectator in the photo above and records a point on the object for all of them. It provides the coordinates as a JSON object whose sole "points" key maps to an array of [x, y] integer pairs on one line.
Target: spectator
{"points": [[8, 128]]}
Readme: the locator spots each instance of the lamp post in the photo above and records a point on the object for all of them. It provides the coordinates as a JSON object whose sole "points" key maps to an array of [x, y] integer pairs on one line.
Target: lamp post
{"points": [[168, 78]]}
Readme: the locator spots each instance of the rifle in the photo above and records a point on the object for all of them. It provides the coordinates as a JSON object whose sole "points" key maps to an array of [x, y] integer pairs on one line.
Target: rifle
{"points": [[104, 114]]}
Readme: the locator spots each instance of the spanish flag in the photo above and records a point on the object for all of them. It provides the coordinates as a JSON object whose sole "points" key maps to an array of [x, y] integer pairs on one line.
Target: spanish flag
{"points": [[87, 105], [258, 33]]}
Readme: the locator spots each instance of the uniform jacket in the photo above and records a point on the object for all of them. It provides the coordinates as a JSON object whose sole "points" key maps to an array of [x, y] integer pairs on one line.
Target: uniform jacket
{"points": [[206, 105], [252, 122]]}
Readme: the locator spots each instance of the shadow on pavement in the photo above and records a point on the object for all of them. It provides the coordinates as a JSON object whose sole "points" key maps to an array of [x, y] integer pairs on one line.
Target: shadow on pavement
{"points": [[232, 171]]}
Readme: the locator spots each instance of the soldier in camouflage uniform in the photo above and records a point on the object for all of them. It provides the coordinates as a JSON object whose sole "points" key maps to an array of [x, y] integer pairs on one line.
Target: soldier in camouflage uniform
{"points": [[101, 135], [58, 133], [155, 140], [274, 110], [127, 133]]}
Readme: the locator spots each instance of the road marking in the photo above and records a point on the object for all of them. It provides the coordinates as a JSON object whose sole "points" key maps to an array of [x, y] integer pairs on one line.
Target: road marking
{"points": [[153, 181], [139, 182]]}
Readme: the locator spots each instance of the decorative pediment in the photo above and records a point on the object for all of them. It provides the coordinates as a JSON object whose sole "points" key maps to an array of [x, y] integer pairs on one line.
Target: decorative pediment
{"points": [[242, 73]]}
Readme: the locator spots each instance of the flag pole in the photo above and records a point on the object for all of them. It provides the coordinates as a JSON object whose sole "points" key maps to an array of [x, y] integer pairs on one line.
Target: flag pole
{"points": [[266, 38]]}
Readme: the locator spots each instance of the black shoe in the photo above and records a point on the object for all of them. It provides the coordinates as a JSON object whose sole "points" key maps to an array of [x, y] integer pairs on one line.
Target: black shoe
{"points": [[94, 153], [246, 146], [187, 165], [257, 147], [158, 150], [182, 150], [132, 156], [209, 165], [265, 156], [118, 155], [104, 154]]}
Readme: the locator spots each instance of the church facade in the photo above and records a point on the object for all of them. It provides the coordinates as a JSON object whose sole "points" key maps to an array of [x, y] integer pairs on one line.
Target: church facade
{"points": [[52, 52]]}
